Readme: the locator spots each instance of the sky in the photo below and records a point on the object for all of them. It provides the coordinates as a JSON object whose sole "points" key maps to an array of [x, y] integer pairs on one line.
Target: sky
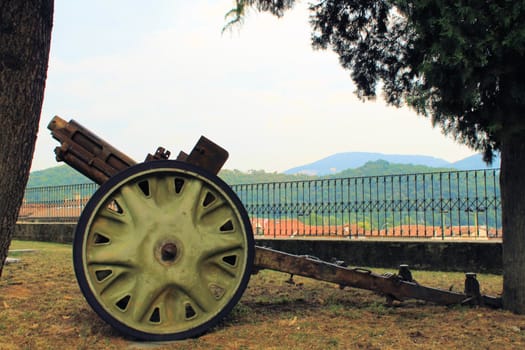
{"points": [[163, 75]]}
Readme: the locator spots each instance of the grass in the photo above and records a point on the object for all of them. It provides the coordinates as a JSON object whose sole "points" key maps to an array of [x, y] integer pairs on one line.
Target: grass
{"points": [[41, 307]]}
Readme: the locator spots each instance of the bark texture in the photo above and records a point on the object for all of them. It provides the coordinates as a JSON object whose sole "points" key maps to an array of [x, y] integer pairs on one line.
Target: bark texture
{"points": [[512, 181], [25, 37]]}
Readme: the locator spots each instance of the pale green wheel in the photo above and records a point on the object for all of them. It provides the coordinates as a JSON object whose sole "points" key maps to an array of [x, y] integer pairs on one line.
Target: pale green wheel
{"points": [[163, 250]]}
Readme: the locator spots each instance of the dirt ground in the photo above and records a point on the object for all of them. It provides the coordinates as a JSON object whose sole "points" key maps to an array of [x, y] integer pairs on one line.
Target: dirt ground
{"points": [[41, 307]]}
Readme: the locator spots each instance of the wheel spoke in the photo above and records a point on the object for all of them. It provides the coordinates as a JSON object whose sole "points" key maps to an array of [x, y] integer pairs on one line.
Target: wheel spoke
{"points": [[114, 230], [144, 295], [113, 215], [200, 295], [207, 202], [219, 244], [190, 192], [117, 288], [107, 275], [227, 261], [213, 219], [162, 190], [172, 306], [134, 200], [113, 254]]}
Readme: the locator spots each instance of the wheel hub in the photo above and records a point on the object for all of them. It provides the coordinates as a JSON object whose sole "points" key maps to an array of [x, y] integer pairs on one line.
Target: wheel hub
{"points": [[168, 252]]}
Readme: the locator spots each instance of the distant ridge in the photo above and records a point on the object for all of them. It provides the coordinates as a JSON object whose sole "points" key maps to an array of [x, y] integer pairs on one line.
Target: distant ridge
{"points": [[351, 160], [349, 164], [476, 162]]}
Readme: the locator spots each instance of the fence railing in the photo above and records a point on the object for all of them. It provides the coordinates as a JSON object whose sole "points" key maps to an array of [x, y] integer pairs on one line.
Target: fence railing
{"points": [[452, 205], [55, 203]]}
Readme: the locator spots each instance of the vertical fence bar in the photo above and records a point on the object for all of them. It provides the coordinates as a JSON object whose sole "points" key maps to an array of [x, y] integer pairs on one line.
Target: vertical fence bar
{"points": [[416, 205], [467, 207], [392, 204], [497, 199], [441, 208], [485, 203], [449, 205], [317, 190], [385, 207], [329, 201], [368, 223], [377, 207], [457, 204], [349, 206], [407, 204]]}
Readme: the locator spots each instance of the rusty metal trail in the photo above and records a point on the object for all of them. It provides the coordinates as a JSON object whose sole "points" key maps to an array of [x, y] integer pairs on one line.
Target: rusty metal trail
{"points": [[393, 286]]}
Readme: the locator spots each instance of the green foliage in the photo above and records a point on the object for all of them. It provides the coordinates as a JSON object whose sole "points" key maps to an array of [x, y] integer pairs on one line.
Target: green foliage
{"points": [[236, 15], [234, 177], [468, 55]]}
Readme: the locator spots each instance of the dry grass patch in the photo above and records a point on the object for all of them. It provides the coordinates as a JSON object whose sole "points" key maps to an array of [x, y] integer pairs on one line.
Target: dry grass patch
{"points": [[41, 307]]}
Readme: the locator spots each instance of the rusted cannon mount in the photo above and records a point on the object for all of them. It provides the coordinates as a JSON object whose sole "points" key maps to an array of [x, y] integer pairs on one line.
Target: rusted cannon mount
{"points": [[400, 286], [164, 248]]}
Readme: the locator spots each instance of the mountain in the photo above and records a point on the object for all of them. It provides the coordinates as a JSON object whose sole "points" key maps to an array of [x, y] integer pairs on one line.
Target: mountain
{"points": [[476, 162], [351, 160]]}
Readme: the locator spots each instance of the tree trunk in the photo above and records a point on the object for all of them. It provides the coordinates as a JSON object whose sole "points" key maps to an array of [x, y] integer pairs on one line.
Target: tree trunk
{"points": [[25, 36], [512, 181]]}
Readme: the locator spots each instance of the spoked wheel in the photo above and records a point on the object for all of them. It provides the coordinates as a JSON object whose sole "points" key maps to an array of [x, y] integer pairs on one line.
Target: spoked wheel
{"points": [[163, 250]]}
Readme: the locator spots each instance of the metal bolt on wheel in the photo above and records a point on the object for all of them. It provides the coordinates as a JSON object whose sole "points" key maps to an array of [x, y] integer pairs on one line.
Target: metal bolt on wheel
{"points": [[163, 250]]}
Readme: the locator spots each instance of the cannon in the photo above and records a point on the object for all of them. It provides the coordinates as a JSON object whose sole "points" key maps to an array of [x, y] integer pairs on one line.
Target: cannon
{"points": [[164, 249]]}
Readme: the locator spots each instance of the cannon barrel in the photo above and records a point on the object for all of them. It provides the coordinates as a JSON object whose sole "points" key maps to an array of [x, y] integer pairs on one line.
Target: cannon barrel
{"points": [[98, 160], [86, 152]]}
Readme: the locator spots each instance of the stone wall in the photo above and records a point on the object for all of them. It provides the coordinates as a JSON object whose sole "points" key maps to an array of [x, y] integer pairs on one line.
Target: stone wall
{"points": [[45, 232], [477, 256], [471, 256]]}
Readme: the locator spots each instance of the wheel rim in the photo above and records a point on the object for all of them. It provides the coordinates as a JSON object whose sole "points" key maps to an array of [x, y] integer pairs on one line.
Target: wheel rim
{"points": [[163, 250]]}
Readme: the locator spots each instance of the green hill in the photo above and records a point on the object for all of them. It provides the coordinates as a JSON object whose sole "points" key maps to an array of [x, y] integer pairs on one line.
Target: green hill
{"points": [[65, 175], [56, 176], [382, 167]]}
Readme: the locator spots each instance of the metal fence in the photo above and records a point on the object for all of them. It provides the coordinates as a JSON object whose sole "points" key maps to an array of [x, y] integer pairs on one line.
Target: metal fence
{"points": [[55, 203], [445, 205]]}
